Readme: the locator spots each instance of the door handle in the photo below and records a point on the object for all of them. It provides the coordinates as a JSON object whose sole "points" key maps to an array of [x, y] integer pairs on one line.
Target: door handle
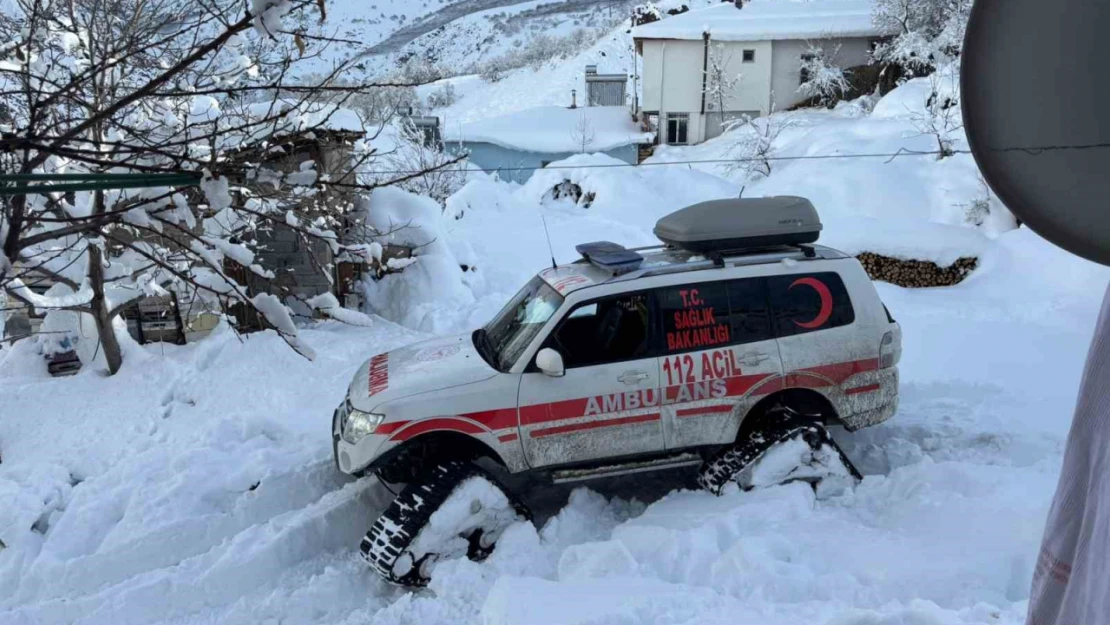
{"points": [[632, 377], [753, 358]]}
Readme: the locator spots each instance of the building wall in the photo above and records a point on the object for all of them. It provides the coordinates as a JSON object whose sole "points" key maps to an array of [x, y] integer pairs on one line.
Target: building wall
{"points": [[496, 159], [672, 78], [673, 82], [787, 59]]}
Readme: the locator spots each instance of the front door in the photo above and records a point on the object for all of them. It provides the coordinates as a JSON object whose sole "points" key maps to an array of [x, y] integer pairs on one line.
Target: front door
{"points": [[719, 358], [608, 403]]}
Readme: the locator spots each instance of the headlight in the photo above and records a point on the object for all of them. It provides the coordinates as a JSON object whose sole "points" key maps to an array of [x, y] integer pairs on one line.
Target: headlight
{"points": [[358, 424]]}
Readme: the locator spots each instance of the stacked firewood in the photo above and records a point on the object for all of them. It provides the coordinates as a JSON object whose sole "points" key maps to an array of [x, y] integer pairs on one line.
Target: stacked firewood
{"points": [[915, 273]]}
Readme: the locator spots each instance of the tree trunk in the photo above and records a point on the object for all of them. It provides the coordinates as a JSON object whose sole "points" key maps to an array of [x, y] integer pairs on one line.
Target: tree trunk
{"points": [[105, 332]]}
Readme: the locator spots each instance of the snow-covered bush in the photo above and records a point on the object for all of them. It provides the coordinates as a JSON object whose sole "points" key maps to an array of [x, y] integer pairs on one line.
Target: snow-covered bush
{"points": [[822, 79], [929, 33], [442, 97], [754, 146], [645, 14]]}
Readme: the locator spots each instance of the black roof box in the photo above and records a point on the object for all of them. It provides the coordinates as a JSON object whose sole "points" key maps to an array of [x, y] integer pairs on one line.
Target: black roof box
{"points": [[739, 224]]}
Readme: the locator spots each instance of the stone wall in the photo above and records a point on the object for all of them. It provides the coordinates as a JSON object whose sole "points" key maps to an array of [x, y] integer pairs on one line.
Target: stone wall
{"points": [[916, 273]]}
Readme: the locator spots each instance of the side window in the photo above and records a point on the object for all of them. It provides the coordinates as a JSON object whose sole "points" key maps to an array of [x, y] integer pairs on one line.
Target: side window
{"points": [[809, 302], [751, 321], [613, 329], [695, 316]]}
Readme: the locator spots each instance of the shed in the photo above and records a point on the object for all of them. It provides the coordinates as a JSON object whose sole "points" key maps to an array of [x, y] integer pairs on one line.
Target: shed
{"points": [[516, 144], [605, 89]]}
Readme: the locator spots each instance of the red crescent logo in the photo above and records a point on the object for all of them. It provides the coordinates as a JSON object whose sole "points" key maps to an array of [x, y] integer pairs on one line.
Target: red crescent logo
{"points": [[826, 303]]}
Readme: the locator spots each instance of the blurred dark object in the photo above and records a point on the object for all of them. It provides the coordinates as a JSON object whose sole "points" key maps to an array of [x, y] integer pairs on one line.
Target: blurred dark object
{"points": [[1036, 107]]}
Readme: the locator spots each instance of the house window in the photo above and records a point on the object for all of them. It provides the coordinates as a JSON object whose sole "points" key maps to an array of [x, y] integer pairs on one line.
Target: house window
{"points": [[749, 56], [677, 127], [803, 73]]}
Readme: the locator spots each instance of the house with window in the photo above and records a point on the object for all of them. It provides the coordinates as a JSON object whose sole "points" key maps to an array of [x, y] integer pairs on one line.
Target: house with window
{"points": [[702, 69], [513, 146]]}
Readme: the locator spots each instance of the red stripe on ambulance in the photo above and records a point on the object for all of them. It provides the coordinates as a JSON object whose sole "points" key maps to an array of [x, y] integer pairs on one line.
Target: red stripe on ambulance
{"points": [[379, 373]]}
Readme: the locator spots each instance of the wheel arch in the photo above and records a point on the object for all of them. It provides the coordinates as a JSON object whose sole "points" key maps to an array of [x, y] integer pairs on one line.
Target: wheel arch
{"points": [[805, 401], [409, 457]]}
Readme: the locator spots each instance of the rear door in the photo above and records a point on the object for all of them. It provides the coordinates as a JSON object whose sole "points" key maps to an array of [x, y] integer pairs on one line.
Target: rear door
{"points": [[820, 337], [607, 404], [719, 358]]}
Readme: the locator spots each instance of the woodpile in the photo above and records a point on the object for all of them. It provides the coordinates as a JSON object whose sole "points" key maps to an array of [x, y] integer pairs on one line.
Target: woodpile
{"points": [[916, 273]]}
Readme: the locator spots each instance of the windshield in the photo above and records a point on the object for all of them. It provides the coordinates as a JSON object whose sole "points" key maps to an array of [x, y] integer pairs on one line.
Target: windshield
{"points": [[518, 323]]}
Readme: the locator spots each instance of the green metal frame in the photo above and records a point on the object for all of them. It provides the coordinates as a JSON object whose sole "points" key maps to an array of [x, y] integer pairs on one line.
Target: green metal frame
{"points": [[21, 184]]}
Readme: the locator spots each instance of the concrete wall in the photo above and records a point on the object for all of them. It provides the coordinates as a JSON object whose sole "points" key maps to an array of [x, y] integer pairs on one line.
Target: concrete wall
{"points": [[494, 158], [787, 58]]}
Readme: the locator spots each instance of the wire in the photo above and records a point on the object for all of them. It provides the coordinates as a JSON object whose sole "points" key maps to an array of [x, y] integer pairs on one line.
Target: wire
{"points": [[1033, 151]]}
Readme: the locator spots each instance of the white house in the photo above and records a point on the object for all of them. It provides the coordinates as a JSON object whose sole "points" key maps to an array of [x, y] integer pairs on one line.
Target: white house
{"points": [[761, 41]]}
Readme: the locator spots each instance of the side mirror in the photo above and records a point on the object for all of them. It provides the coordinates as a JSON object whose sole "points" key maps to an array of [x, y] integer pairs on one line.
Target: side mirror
{"points": [[550, 362]]}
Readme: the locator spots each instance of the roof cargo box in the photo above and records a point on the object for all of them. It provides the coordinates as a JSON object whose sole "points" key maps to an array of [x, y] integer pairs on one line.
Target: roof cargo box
{"points": [[739, 224]]}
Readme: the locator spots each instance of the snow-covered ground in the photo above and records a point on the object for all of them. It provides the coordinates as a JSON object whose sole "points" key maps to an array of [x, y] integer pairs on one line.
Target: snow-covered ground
{"points": [[197, 486]]}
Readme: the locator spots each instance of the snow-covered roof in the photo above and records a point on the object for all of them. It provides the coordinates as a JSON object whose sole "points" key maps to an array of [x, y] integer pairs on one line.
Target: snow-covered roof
{"points": [[554, 129], [766, 20]]}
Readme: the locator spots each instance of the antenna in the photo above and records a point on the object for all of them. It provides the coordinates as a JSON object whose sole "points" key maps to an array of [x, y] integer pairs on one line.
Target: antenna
{"points": [[549, 247]]}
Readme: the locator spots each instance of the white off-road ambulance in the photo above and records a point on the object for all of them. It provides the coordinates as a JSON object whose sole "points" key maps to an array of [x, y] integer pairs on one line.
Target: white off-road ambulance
{"points": [[735, 336]]}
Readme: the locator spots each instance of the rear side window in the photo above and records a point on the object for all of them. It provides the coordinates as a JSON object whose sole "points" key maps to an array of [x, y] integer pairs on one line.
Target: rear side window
{"points": [[695, 316], [705, 315], [751, 321], [809, 302]]}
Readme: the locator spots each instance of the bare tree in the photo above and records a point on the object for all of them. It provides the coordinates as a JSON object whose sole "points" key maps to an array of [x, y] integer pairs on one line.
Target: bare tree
{"points": [[821, 78], [440, 173], [940, 114], [583, 133], [209, 89], [754, 147], [720, 84]]}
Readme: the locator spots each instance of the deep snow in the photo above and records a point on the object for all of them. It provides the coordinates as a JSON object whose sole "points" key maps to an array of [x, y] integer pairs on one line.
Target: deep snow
{"points": [[197, 486]]}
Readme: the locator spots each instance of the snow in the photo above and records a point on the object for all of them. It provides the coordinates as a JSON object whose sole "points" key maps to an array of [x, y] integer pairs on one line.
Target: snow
{"points": [[554, 129], [474, 504], [327, 304], [768, 20], [277, 315]]}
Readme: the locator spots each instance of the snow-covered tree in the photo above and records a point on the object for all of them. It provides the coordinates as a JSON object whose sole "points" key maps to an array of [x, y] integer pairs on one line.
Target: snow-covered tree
{"points": [[207, 89], [928, 33], [821, 78], [720, 83]]}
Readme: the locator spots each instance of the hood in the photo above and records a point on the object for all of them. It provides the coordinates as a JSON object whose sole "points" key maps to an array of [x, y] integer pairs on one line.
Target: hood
{"points": [[418, 368]]}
